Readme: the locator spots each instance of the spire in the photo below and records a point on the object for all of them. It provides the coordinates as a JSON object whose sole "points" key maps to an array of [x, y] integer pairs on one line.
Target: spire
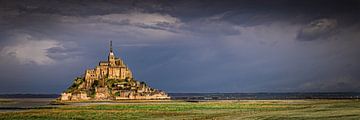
{"points": [[111, 57], [111, 50]]}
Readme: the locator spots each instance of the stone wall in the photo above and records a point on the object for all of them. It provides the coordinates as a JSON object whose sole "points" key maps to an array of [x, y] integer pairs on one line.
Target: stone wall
{"points": [[74, 97]]}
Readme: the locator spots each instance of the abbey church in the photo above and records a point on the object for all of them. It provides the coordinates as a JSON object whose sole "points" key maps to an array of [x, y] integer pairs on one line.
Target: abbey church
{"points": [[113, 68], [110, 80]]}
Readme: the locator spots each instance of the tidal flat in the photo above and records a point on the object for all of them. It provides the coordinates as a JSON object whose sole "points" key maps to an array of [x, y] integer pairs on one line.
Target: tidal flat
{"points": [[216, 109]]}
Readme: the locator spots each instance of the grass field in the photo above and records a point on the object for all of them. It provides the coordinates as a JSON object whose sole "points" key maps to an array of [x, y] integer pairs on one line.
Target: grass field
{"points": [[244, 109]]}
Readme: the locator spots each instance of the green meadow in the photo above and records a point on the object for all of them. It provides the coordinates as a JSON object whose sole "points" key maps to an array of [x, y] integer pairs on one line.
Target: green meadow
{"points": [[242, 109]]}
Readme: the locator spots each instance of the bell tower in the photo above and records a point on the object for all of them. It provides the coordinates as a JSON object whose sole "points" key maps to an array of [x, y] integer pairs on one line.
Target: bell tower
{"points": [[111, 57]]}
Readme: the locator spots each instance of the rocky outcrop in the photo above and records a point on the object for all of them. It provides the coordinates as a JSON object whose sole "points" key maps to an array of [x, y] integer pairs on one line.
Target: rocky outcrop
{"points": [[114, 90]]}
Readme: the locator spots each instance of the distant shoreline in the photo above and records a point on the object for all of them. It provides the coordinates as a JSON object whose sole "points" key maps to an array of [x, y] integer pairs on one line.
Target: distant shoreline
{"points": [[229, 96], [29, 95]]}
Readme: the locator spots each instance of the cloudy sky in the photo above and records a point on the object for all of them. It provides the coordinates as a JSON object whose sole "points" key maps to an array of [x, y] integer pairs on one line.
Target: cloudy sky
{"points": [[184, 46]]}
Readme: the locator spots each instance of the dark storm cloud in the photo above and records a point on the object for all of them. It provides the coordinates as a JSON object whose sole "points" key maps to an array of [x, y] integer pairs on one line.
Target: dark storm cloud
{"points": [[212, 25], [184, 46], [63, 52], [317, 29]]}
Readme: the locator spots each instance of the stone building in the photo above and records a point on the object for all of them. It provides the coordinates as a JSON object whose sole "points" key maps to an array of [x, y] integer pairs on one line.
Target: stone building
{"points": [[113, 68]]}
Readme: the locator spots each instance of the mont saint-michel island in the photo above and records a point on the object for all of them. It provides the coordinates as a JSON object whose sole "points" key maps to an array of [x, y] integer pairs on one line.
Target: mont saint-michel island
{"points": [[110, 80], [179, 60]]}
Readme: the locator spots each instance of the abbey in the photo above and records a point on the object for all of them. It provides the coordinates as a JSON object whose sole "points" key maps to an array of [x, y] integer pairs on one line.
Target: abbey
{"points": [[113, 68], [110, 80]]}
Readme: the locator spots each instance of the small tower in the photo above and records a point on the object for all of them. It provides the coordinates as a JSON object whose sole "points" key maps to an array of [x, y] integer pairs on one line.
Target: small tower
{"points": [[111, 57]]}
